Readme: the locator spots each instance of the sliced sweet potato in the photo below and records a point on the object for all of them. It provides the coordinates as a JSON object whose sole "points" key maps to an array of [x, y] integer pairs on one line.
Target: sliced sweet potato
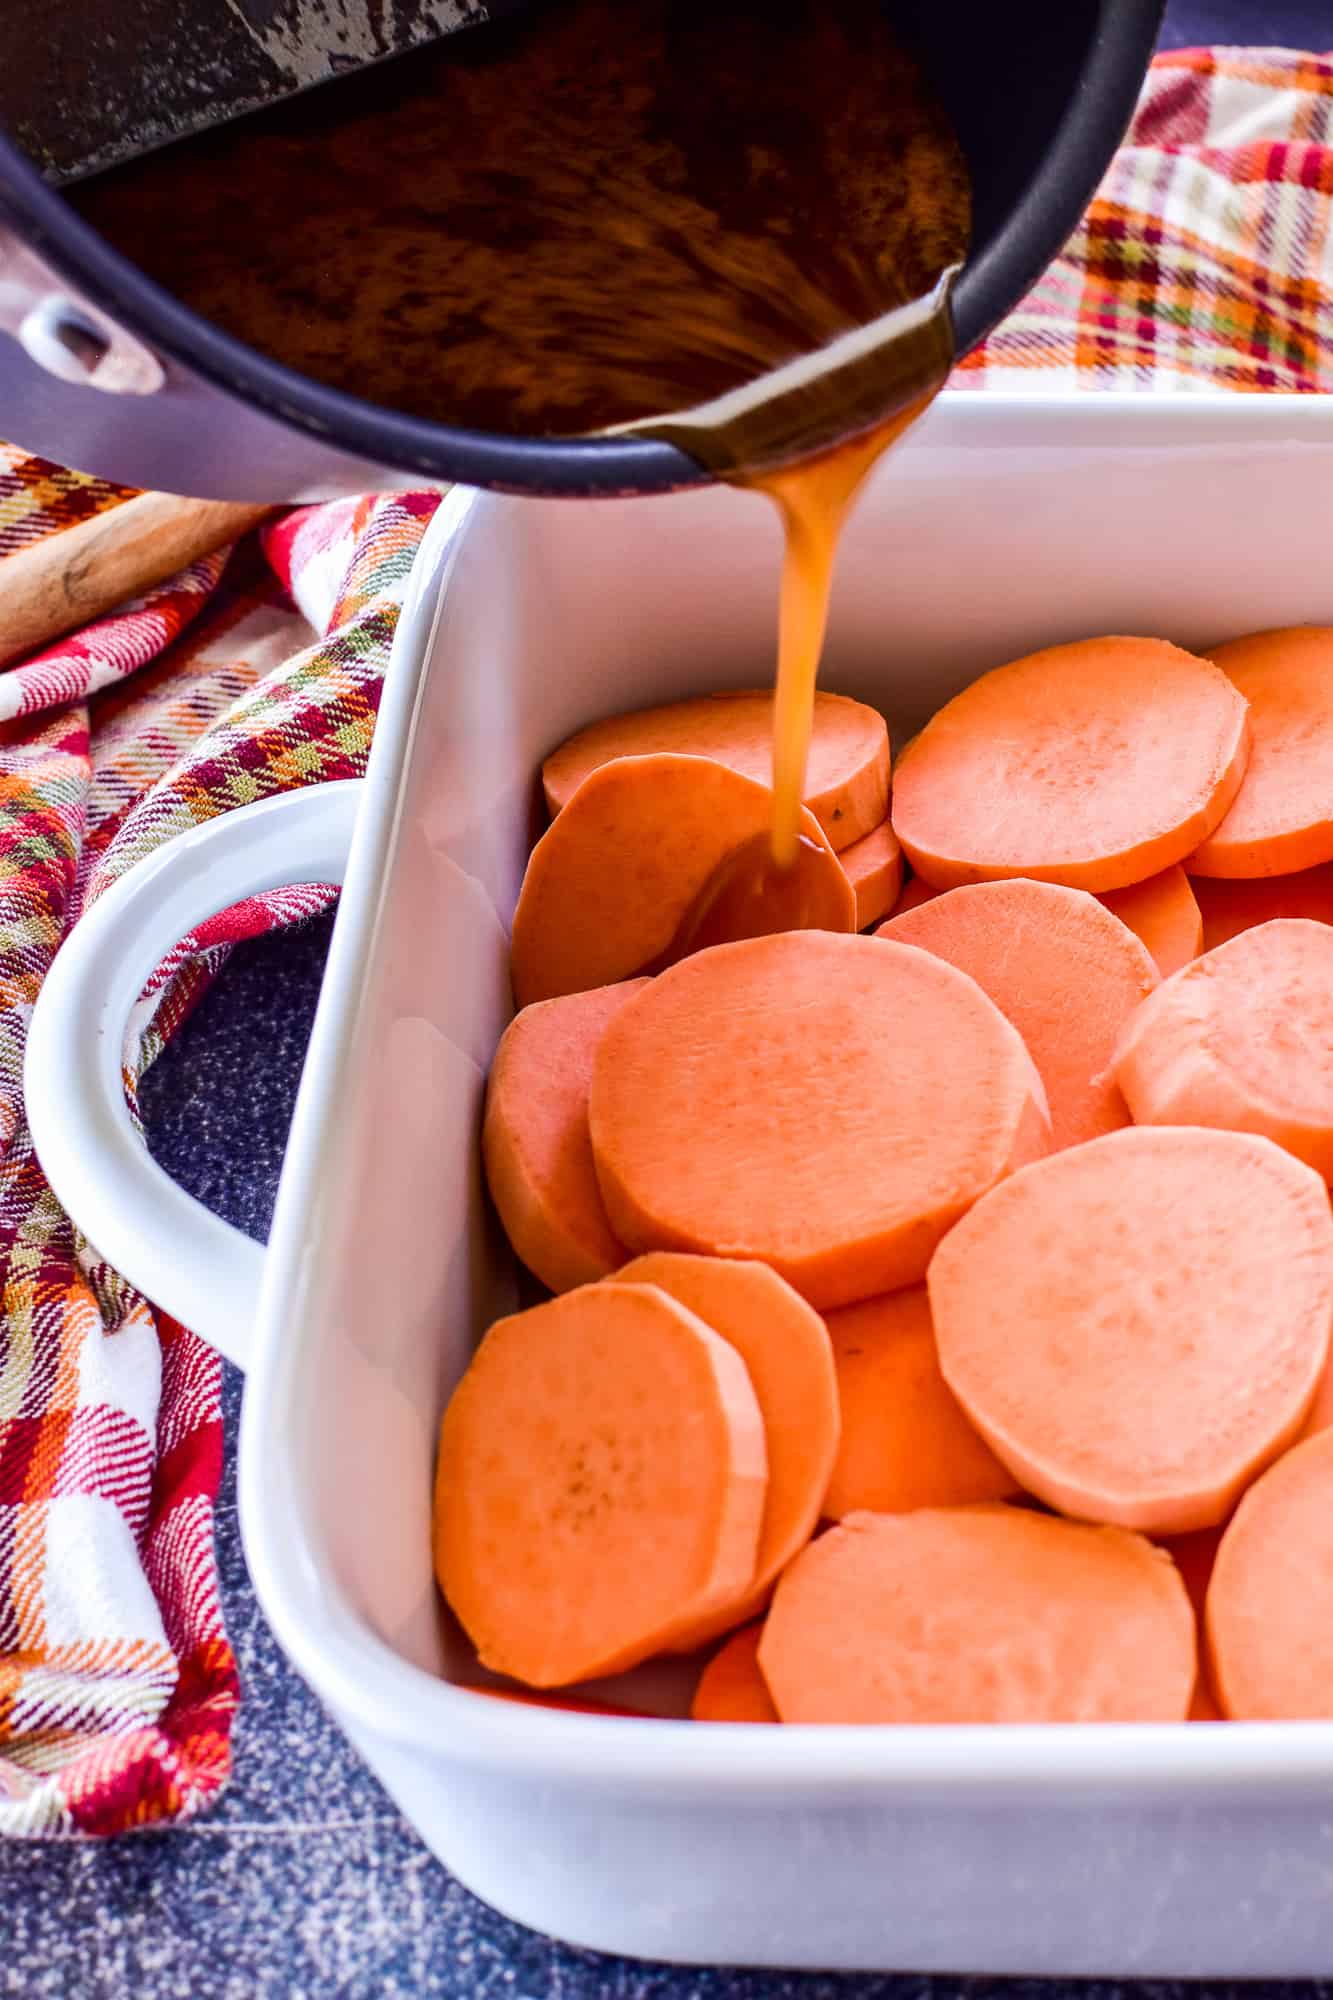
{"points": [[1242, 1039], [1281, 819], [1270, 1600], [1067, 973], [828, 1105], [906, 1440], [847, 774], [979, 1614], [874, 867], [1095, 764], [612, 881], [535, 1140], [788, 1358], [1137, 1326], [600, 1484], [731, 1687]]}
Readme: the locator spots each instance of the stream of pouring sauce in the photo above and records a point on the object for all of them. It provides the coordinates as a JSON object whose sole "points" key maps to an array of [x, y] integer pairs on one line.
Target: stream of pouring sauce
{"points": [[778, 882], [814, 499]]}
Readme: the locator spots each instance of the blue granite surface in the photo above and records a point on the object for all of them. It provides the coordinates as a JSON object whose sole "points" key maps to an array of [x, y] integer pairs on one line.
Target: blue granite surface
{"points": [[1283, 24], [304, 1881]]}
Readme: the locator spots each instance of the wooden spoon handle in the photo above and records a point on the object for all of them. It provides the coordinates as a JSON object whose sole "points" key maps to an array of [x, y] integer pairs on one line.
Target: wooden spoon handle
{"points": [[78, 574]]}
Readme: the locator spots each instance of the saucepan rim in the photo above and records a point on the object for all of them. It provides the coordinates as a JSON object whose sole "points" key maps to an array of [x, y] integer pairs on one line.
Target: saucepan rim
{"points": [[1098, 109]]}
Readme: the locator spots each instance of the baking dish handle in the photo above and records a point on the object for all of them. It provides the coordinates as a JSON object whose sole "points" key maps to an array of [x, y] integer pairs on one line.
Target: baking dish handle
{"points": [[186, 1259]]}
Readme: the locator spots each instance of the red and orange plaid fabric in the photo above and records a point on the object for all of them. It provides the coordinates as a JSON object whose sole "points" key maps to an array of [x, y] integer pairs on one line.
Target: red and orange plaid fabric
{"points": [[38, 498], [1200, 265], [117, 1686], [1206, 260]]}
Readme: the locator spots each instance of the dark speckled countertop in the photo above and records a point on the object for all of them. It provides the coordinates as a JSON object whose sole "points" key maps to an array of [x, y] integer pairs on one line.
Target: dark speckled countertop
{"points": [[304, 1881]]}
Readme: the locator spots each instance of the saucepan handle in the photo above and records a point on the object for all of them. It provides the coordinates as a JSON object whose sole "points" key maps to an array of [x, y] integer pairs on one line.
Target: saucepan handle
{"points": [[197, 1267], [64, 332]]}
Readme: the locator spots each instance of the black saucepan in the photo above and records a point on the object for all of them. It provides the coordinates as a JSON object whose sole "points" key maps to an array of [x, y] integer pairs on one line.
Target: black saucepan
{"points": [[104, 370]]}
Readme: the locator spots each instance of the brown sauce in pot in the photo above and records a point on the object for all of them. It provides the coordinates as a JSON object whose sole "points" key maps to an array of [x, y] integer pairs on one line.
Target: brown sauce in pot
{"points": [[589, 212]]}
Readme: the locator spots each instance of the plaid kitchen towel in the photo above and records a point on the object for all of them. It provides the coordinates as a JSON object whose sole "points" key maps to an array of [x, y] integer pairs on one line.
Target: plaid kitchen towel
{"points": [[1202, 263], [38, 498], [1206, 260], [240, 677]]}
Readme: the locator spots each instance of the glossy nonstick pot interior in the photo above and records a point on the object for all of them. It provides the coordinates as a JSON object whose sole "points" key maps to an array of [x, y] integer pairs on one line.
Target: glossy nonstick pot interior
{"points": [[1040, 95]]}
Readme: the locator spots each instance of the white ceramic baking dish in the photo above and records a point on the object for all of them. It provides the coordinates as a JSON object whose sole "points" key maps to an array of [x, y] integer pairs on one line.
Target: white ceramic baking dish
{"points": [[1001, 526]]}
